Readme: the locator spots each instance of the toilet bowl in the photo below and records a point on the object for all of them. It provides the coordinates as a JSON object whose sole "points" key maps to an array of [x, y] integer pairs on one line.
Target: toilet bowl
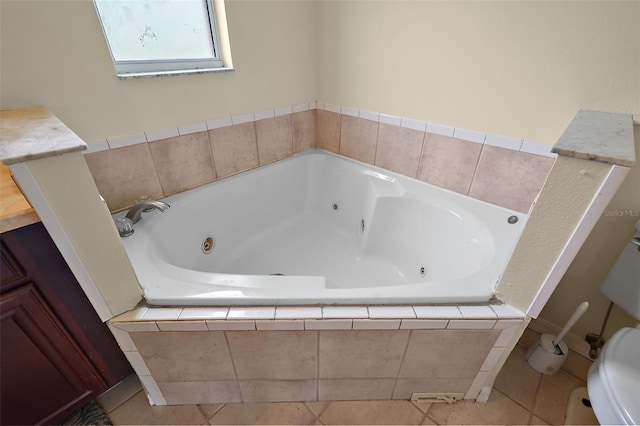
{"points": [[614, 380]]}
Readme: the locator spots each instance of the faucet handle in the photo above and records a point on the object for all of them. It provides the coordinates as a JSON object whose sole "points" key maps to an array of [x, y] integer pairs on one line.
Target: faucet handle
{"points": [[125, 226]]}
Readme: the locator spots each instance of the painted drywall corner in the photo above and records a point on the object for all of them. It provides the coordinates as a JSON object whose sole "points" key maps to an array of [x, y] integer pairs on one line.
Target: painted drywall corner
{"points": [[569, 190], [65, 196]]}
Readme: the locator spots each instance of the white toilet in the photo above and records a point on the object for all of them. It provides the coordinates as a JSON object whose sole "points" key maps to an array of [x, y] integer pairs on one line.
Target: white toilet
{"points": [[614, 378]]}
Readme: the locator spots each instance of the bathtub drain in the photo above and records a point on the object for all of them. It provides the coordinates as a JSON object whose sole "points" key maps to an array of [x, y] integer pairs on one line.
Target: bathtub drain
{"points": [[423, 271], [208, 243]]}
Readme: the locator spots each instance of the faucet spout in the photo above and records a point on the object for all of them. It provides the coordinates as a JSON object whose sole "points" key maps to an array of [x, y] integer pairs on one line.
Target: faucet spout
{"points": [[135, 213]]}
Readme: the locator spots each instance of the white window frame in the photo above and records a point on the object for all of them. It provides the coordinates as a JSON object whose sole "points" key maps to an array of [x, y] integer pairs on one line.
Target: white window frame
{"points": [[177, 66]]}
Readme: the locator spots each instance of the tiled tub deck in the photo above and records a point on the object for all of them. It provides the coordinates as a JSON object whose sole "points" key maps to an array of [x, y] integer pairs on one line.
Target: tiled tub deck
{"points": [[268, 354]]}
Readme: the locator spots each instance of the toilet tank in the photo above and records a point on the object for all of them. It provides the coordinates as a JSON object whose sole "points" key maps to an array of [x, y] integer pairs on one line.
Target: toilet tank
{"points": [[622, 284]]}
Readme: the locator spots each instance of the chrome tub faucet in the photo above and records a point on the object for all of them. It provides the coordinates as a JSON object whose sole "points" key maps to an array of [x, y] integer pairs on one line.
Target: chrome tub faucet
{"points": [[125, 224]]}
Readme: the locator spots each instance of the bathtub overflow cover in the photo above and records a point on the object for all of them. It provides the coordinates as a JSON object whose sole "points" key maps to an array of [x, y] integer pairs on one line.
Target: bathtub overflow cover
{"points": [[423, 271], [512, 219], [208, 243], [335, 207]]}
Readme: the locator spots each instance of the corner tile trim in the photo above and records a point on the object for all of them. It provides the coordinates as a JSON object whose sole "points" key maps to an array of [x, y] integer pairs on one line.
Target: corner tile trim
{"points": [[506, 142], [316, 318]]}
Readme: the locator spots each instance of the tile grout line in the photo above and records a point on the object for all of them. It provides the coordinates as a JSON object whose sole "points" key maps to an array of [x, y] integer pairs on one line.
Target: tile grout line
{"points": [[537, 394], [424, 417], [127, 399], [404, 355], [420, 161], [207, 418]]}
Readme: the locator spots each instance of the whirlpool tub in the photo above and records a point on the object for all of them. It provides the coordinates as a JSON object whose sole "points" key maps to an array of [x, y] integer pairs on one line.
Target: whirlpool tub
{"points": [[318, 229]]}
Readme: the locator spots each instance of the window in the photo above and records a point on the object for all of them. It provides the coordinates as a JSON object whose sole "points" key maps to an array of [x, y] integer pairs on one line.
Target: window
{"points": [[161, 37]]}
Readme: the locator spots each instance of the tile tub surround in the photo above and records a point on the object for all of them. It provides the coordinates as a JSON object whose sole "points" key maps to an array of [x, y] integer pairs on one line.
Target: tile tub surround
{"points": [[504, 171], [500, 170], [521, 395], [132, 169], [270, 354]]}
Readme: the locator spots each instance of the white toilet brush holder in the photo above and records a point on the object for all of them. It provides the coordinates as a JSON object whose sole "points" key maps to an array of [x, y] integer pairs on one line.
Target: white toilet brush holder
{"points": [[548, 353], [542, 355]]}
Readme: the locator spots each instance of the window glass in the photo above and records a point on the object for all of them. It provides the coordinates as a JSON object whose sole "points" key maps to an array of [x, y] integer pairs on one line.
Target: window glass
{"points": [[160, 35]]}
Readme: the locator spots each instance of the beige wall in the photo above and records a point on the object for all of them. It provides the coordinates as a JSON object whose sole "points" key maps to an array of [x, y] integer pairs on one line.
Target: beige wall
{"points": [[54, 54], [520, 69]]}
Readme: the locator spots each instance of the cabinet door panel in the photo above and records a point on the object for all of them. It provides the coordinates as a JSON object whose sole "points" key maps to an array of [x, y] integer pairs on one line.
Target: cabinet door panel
{"points": [[43, 371]]}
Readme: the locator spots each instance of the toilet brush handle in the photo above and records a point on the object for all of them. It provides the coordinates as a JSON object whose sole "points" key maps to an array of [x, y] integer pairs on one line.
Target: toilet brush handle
{"points": [[574, 318]]}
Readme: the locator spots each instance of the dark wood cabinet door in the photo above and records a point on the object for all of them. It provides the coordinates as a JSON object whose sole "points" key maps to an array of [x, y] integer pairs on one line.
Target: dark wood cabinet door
{"points": [[44, 373], [55, 352]]}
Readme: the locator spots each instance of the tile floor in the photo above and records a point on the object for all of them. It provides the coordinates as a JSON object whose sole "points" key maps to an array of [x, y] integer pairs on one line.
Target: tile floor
{"points": [[521, 396]]}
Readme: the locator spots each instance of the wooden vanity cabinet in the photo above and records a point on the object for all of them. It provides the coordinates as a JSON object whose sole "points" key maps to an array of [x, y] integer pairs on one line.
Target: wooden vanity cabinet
{"points": [[55, 352]]}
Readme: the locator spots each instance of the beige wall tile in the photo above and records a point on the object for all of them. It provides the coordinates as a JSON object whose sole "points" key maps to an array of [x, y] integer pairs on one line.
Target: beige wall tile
{"points": [[234, 148], [183, 162], [508, 178], [282, 355], [371, 413], [354, 389], [447, 353], [406, 387], [284, 413], [275, 138], [125, 175], [448, 162], [208, 392], [399, 149], [328, 130], [358, 138], [361, 354], [185, 356], [304, 130], [278, 390]]}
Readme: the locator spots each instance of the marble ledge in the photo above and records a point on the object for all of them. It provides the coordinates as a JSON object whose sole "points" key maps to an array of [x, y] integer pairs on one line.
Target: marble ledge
{"points": [[599, 136], [33, 133]]}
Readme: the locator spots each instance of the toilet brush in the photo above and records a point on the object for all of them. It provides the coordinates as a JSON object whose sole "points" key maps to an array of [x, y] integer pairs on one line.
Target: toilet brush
{"points": [[548, 353]]}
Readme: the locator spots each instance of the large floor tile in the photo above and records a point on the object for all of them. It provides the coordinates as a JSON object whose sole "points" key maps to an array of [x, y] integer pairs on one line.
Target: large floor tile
{"points": [[528, 338], [577, 365], [290, 413], [518, 380], [498, 410], [118, 394], [210, 409], [371, 413], [553, 396], [317, 407], [137, 411]]}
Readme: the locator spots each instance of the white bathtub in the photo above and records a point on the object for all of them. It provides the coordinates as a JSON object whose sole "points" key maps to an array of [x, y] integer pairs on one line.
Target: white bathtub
{"points": [[339, 231]]}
